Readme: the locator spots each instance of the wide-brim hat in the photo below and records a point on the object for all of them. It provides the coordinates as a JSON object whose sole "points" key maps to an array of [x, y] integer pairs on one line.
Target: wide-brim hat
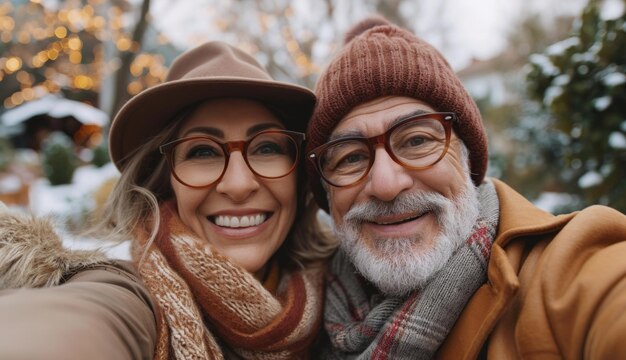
{"points": [[212, 70]]}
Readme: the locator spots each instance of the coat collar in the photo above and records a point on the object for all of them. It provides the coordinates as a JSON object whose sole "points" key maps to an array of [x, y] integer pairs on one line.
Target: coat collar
{"points": [[519, 216], [518, 219]]}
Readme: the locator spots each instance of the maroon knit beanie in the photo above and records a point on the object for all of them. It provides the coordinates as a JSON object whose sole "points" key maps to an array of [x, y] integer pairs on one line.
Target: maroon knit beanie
{"points": [[380, 59]]}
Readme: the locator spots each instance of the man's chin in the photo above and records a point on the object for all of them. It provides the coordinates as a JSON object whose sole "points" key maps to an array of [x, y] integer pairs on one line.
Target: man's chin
{"points": [[397, 266], [394, 247]]}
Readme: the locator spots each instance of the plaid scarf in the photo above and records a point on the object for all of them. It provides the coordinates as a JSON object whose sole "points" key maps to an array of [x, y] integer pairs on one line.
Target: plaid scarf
{"points": [[209, 308], [364, 324]]}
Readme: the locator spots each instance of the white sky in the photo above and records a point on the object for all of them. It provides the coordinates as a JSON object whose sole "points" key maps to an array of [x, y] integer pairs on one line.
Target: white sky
{"points": [[478, 28]]}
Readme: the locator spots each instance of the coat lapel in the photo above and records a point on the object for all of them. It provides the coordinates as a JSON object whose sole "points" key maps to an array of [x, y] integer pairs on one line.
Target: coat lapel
{"points": [[518, 217]]}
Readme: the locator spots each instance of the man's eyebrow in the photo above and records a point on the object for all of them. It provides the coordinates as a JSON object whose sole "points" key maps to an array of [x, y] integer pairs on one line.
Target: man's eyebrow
{"points": [[345, 134], [356, 133], [408, 116]]}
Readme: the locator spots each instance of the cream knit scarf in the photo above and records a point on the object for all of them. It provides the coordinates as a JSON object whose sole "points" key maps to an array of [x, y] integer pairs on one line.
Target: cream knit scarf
{"points": [[209, 308]]}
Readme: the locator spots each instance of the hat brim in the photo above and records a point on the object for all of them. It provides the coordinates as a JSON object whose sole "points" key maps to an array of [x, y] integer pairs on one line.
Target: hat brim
{"points": [[145, 115]]}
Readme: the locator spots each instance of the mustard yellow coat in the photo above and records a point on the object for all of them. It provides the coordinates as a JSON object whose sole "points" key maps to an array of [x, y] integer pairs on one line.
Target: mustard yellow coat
{"points": [[556, 287]]}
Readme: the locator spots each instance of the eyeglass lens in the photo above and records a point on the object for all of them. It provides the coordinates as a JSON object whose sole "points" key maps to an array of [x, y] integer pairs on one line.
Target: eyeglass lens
{"points": [[418, 143], [201, 161]]}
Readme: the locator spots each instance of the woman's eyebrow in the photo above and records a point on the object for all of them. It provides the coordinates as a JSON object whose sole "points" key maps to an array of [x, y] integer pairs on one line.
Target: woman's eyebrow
{"points": [[260, 127], [220, 134], [205, 130]]}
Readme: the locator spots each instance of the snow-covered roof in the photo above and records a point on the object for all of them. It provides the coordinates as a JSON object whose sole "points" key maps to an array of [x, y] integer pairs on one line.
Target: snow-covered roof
{"points": [[57, 107]]}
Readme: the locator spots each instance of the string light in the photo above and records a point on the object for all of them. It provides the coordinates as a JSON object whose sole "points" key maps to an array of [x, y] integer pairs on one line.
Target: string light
{"points": [[6, 23], [74, 43], [76, 57], [24, 78], [83, 82], [123, 44], [60, 32], [61, 60], [13, 64]]}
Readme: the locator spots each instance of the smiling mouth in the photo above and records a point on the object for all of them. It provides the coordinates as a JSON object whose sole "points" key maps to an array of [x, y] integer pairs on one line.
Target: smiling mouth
{"points": [[239, 221], [401, 221]]}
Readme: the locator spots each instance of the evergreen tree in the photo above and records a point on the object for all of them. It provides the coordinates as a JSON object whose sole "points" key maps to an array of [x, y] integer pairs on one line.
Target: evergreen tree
{"points": [[59, 161], [101, 155], [581, 83]]}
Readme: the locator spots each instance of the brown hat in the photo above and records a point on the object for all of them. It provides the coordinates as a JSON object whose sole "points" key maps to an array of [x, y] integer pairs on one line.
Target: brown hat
{"points": [[214, 69], [380, 59]]}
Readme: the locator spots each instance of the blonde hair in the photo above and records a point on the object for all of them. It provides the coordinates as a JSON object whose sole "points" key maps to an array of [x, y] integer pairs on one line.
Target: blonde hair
{"points": [[145, 183]]}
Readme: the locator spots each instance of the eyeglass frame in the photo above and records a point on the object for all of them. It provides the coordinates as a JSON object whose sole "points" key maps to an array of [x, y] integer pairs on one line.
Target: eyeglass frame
{"points": [[228, 147], [445, 118]]}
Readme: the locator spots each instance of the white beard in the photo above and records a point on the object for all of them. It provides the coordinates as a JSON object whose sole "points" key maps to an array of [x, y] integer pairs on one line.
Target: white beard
{"points": [[394, 265]]}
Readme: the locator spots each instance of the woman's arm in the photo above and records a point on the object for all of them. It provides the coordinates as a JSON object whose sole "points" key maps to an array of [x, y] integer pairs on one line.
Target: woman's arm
{"points": [[102, 312]]}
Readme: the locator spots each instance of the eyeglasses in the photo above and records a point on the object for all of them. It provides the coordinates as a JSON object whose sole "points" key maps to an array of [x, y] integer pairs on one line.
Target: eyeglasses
{"points": [[200, 161], [417, 143]]}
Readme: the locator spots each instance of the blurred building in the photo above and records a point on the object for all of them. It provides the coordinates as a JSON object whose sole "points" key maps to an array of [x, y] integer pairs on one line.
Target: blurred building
{"points": [[28, 125]]}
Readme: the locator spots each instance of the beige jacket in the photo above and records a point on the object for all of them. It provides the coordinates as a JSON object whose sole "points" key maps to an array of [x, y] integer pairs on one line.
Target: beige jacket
{"points": [[556, 287], [58, 304]]}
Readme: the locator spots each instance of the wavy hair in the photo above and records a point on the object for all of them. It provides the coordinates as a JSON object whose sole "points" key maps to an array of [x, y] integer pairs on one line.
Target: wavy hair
{"points": [[145, 183]]}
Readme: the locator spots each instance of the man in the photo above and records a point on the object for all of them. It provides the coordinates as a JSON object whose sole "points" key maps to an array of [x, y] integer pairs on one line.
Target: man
{"points": [[436, 260]]}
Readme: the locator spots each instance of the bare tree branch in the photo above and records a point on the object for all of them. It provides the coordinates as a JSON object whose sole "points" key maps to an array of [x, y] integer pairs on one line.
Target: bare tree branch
{"points": [[122, 76]]}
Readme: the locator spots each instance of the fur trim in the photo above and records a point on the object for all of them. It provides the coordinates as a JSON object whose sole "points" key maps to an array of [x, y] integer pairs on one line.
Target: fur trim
{"points": [[32, 254]]}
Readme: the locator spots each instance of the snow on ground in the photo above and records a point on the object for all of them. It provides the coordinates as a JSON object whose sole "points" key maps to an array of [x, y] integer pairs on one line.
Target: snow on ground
{"points": [[113, 250], [10, 183], [69, 203], [68, 200]]}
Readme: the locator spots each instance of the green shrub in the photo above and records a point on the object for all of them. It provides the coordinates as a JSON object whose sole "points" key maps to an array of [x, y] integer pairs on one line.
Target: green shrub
{"points": [[101, 155], [59, 160], [581, 83]]}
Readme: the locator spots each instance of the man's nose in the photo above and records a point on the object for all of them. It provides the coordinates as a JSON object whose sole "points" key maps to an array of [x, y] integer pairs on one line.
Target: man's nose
{"points": [[238, 181], [387, 179]]}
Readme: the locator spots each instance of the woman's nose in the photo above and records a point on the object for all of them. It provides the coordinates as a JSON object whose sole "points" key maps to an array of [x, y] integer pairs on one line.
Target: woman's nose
{"points": [[238, 181]]}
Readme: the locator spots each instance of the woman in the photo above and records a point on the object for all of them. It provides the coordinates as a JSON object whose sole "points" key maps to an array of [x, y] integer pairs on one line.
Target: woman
{"points": [[212, 195]]}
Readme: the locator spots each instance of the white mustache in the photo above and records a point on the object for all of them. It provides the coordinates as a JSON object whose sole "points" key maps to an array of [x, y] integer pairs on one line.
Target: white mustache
{"points": [[417, 203]]}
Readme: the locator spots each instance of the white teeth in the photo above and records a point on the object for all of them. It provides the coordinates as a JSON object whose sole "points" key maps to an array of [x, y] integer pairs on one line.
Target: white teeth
{"points": [[240, 221]]}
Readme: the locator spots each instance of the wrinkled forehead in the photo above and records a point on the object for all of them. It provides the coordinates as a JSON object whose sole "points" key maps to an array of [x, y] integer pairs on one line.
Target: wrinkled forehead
{"points": [[376, 116]]}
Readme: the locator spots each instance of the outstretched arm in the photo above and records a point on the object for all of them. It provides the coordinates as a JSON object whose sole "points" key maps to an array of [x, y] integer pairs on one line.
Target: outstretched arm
{"points": [[100, 313]]}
